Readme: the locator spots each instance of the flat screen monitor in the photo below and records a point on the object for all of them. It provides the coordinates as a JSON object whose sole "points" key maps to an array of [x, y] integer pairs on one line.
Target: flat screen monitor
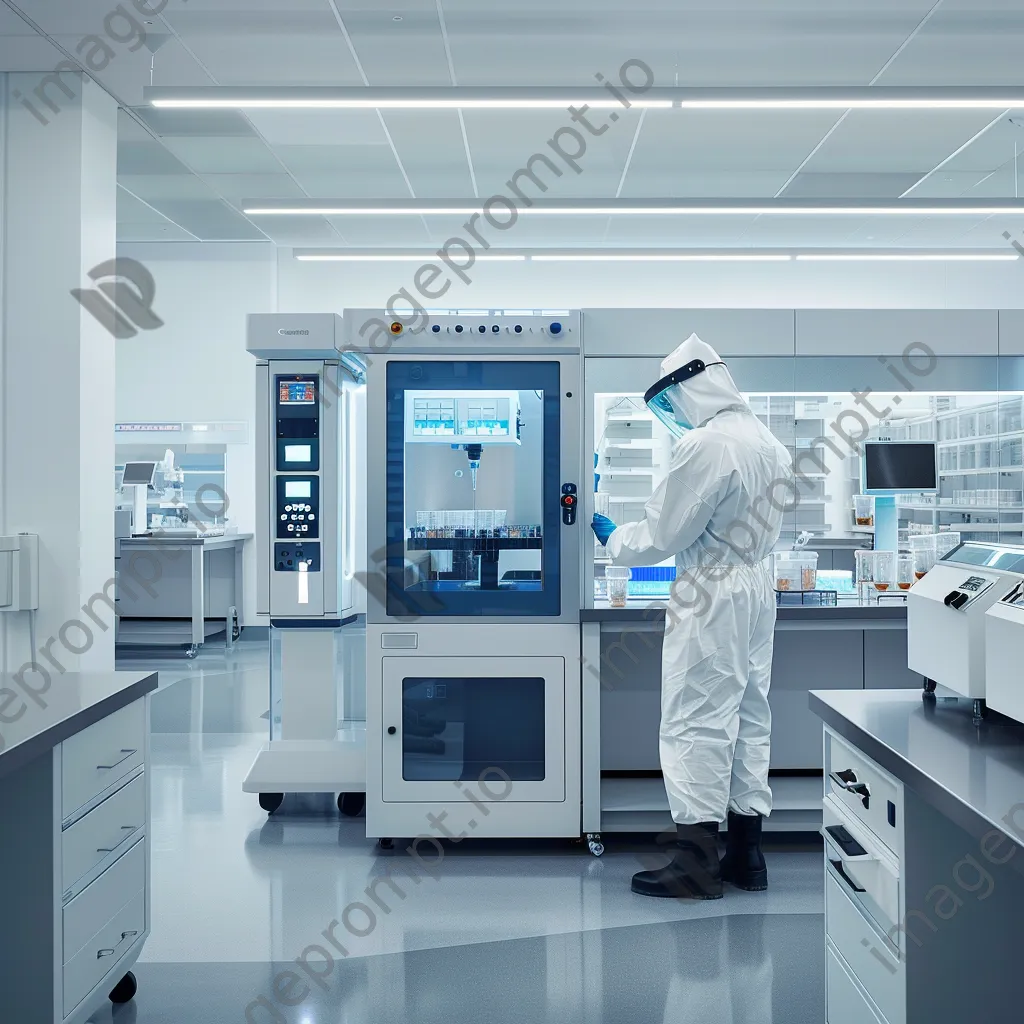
{"points": [[138, 474], [891, 466]]}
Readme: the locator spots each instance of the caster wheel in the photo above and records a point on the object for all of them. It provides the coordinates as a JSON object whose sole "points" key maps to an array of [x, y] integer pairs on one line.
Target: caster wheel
{"points": [[191, 651], [385, 844], [594, 843], [271, 801], [351, 804], [124, 991]]}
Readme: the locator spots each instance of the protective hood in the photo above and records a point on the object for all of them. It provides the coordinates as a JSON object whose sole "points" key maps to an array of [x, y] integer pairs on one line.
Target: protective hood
{"points": [[694, 387]]}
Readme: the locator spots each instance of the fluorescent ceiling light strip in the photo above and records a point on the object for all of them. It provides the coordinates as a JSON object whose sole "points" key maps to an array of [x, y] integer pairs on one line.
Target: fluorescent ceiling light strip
{"points": [[673, 257], [410, 103], [397, 257], [783, 209], [850, 103], [909, 257]]}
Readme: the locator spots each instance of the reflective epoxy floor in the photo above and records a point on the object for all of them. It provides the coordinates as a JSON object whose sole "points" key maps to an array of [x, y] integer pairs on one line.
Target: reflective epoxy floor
{"points": [[499, 932]]}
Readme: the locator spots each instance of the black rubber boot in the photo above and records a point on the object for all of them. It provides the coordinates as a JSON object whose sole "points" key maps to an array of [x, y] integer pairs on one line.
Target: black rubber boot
{"points": [[693, 874], [743, 864]]}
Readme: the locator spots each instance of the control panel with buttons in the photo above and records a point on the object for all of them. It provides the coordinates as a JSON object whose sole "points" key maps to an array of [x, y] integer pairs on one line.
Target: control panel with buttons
{"points": [[293, 557], [569, 502], [298, 506]]}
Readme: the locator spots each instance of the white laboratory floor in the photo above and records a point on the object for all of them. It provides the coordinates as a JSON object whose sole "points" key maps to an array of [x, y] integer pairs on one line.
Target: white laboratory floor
{"points": [[506, 932]]}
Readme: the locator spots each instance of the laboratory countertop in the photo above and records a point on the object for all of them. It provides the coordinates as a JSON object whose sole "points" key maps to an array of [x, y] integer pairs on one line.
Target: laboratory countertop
{"points": [[178, 540], [32, 725], [652, 610], [974, 775]]}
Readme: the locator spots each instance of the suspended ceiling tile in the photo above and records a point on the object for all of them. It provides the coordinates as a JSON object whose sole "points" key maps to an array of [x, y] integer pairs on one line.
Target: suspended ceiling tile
{"points": [[300, 231], [195, 123], [947, 184], [406, 52], [857, 185], [318, 127], [213, 155], [385, 184], [432, 151], [667, 181], [236, 187], [401, 232], [162, 232], [210, 220], [148, 157], [166, 186]]}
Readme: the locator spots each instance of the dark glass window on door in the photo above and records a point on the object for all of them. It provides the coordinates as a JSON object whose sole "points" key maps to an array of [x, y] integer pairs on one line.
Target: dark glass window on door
{"points": [[456, 729]]}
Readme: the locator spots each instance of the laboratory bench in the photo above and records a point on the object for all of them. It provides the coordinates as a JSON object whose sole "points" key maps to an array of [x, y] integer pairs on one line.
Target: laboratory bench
{"points": [[923, 816], [852, 646], [74, 802], [178, 590]]}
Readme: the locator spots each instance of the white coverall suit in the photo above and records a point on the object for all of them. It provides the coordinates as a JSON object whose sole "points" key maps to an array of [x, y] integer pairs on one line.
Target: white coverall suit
{"points": [[719, 511]]}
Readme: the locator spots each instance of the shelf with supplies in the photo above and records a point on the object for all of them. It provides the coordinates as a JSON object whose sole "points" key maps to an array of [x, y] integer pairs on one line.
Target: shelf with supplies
{"points": [[476, 544]]}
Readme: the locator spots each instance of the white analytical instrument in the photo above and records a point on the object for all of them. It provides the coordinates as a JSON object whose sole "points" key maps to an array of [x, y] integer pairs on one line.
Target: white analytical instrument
{"points": [[1004, 645], [950, 633], [474, 464], [309, 420]]}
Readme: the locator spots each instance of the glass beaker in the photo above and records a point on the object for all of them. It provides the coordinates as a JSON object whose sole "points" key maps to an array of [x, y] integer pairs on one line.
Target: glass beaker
{"points": [[922, 549], [885, 569], [905, 572], [864, 509], [617, 581]]}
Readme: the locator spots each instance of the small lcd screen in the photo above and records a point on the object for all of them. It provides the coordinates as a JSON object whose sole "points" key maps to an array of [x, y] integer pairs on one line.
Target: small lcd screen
{"points": [[298, 453], [298, 489], [296, 392], [137, 473], [900, 467]]}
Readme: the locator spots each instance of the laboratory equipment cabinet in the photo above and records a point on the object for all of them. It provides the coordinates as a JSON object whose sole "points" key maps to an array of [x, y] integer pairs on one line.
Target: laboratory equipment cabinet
{"points": [[474, 467], [74, 799]]}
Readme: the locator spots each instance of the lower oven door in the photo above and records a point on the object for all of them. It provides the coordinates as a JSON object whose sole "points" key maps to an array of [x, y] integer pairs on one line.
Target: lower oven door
{"points": [[495, 723]]}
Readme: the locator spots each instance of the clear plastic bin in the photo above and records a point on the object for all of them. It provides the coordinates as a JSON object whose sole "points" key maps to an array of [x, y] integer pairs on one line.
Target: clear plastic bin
{"points": [[864, 509], [796, 570]]}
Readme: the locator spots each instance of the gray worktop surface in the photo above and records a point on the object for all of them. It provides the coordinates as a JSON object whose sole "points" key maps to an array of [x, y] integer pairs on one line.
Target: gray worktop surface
{"points": [[646, 610], [972, 775], [177, 540], [72, 702]]}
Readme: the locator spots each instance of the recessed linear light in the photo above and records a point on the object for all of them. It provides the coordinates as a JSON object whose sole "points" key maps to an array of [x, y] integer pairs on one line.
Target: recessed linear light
{"points": [[394, 257], [642, 208], [666, 257], [935, 257], [597, 97]]}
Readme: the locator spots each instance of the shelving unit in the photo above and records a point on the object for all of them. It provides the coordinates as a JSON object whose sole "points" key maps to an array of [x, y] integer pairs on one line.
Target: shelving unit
{"points": [[980, 449]]}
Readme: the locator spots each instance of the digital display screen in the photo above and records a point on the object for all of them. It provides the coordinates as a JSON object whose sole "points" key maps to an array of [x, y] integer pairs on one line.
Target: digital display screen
{"points": [[298, 453], [296, 392], [298, 489], [900, 467], [138, 473]]}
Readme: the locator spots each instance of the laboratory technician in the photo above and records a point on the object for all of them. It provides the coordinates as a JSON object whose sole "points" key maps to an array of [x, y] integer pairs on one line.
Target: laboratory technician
{"points": [[719, 511]]}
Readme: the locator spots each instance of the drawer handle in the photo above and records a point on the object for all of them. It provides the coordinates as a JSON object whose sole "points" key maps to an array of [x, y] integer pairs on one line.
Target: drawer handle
{"points": [[848, 780], [841, 871], [124, 750], [111, 849], [110, 952]]}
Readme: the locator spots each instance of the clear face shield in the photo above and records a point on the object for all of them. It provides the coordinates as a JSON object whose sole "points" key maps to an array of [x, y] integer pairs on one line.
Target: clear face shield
{"points": [[664, 397]]}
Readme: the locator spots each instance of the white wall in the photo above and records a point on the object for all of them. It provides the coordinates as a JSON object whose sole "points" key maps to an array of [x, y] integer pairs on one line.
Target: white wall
{"points": [[195, 367], [329, 287]]}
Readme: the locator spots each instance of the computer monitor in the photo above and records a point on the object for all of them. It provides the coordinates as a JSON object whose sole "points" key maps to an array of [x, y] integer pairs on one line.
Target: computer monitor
{"points": [[893, 466], [138, 474]]}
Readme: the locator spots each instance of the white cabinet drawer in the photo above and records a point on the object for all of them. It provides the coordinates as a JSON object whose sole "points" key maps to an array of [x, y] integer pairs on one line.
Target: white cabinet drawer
{"points": [[94, 759], [114, 823], [865, 790], [879, 971], [100, 900], [845, 1002], [103, 950]]}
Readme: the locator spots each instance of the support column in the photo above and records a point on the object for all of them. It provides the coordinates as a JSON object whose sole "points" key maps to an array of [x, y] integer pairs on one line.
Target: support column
{"points": [[58, 197]]}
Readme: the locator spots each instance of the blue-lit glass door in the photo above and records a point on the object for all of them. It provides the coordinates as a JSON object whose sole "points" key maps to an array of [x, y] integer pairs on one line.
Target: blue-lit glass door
{"points": [[473, 488]]}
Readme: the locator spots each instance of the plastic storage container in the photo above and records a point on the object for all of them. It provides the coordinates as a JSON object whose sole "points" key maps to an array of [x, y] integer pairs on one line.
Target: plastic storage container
{"points": [[796, 570], [864, 509]]}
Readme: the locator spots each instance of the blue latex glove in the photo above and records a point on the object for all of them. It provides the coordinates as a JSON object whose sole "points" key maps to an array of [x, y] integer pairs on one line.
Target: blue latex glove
{"points": [[603, 527]]}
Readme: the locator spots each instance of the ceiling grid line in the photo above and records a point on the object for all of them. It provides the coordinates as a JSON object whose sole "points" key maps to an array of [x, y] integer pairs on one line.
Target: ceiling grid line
{"points": [[455, 82]]}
